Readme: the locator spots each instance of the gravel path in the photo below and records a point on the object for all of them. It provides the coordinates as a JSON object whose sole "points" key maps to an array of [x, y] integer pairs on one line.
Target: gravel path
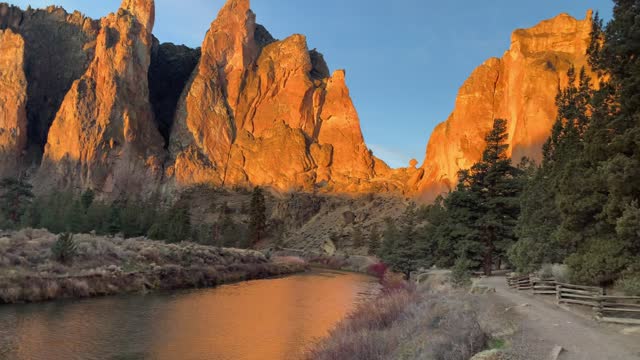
{"points": [[540, 325]]}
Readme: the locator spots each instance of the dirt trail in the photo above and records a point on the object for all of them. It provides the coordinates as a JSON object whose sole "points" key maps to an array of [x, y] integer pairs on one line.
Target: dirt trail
{"points": [[542, 325]]}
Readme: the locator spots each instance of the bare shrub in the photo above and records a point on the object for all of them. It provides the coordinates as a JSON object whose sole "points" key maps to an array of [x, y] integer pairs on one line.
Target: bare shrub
{"points": [[560, 272], [407, 324], [629, 285]]}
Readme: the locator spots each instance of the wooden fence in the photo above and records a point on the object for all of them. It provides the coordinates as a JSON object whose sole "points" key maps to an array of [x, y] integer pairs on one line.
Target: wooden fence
{"points": [[614, 309], [618, 309], [544, 286], [519, 282], [578, 294]]}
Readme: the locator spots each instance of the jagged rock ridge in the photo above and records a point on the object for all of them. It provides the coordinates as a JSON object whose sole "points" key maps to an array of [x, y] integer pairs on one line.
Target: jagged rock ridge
{"points": [[104, 135], [58, 48], [274, 117], [520, 87], [127, 114]]}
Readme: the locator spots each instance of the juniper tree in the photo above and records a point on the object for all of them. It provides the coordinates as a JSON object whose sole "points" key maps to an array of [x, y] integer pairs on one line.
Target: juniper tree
{"points": [[374, 241], [258, 216], [64, 249], [15, 199]]}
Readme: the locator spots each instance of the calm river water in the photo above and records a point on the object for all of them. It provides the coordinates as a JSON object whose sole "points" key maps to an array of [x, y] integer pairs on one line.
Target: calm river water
{"points": [[266, 319]]}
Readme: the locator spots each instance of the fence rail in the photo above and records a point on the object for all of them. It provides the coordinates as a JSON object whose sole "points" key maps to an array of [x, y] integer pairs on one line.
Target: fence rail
{"points": [[578, 294], [607, 308], [618, 309], [520, 282], [544, 286]]}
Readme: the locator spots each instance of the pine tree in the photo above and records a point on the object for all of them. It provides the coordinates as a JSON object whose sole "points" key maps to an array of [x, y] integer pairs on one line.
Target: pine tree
{"points": [[179, 224], [258, 214], [389, 238], [374, 241], [230, 236], [403, 257], [114, 222], [496, 182], [357, 238], [87, 198], [15, 198], [64, 250]]}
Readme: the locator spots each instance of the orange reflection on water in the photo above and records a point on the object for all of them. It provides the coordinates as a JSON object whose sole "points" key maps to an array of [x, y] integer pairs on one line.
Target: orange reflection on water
{"points": [[273, 319], [268, 320]]}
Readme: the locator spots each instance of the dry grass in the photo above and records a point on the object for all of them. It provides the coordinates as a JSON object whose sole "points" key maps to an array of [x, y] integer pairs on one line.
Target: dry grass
{"points": [[408, 323], [106, 266]]}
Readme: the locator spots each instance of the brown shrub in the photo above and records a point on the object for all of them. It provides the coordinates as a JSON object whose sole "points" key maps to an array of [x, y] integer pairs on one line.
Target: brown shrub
{"points": [[407, 324]]}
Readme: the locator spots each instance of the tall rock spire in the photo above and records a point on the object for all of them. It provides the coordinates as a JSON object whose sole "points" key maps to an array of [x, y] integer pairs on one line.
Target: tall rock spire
{"points": [[104, 135], [13, 100], [204, 128], [143, 10]]}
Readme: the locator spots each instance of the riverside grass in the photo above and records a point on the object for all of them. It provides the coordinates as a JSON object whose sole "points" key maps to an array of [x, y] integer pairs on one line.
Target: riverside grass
{"points": [[433, 320], [29, 272]]}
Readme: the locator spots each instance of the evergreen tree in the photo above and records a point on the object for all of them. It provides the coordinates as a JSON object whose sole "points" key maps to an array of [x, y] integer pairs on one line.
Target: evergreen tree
{"points": [[15, 198], [389, 238], [87, 198], [495, 182], [357, 238], [178, 224], [374, 241], [258, 214], [230, 232], [403, 257], [542, 204], [114, 222], [64, 250]]}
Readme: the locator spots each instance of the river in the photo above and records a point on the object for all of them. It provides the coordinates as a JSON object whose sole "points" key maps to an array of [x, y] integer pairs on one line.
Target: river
{"points": [[265, 319]]}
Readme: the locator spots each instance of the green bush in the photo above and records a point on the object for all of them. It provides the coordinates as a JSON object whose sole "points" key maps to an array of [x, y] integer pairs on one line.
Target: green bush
{"points": [[629, 284], [461, 273], [64, 250], [599, 262]]}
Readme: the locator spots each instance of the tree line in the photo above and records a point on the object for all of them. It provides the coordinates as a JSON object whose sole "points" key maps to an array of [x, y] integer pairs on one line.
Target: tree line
{"points": [[69, 212]]}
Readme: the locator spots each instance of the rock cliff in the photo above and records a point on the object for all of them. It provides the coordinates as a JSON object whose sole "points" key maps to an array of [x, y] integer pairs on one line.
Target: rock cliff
{"points": [[275, 116], [58, 48], [13, 102], [104, 135], [123, 113], [520, 87]]}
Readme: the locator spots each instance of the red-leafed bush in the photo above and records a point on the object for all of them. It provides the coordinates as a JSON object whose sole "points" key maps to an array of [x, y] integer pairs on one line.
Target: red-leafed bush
{"points": [[378, 270]]}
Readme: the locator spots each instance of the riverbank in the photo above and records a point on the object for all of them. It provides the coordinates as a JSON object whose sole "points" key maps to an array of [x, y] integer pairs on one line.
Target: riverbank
{"points": [[108, 266], [431, 320]]}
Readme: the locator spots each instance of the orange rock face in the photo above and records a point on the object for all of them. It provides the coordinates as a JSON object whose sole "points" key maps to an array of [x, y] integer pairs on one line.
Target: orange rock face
{"points": [[273, 115], [244, 110], [13, 101], [520, 87], [104, 136], [54, 39]]}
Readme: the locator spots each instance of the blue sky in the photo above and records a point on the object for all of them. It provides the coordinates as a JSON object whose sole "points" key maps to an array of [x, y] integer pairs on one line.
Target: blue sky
{"points": [[405, 59]]}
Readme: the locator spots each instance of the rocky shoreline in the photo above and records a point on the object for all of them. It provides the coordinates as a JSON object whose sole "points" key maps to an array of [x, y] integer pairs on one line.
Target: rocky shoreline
{"points": [[110, 266]]}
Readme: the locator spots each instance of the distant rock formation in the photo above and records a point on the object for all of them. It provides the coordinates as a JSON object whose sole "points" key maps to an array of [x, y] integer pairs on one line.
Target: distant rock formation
{"points": [[520, 87], [58, 49], [103, 105], [104, 136], [13, 102], [274, 117]]}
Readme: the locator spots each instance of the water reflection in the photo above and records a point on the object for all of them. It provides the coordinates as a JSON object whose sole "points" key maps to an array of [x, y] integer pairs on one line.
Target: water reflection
{"points": [[268, 319]]}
